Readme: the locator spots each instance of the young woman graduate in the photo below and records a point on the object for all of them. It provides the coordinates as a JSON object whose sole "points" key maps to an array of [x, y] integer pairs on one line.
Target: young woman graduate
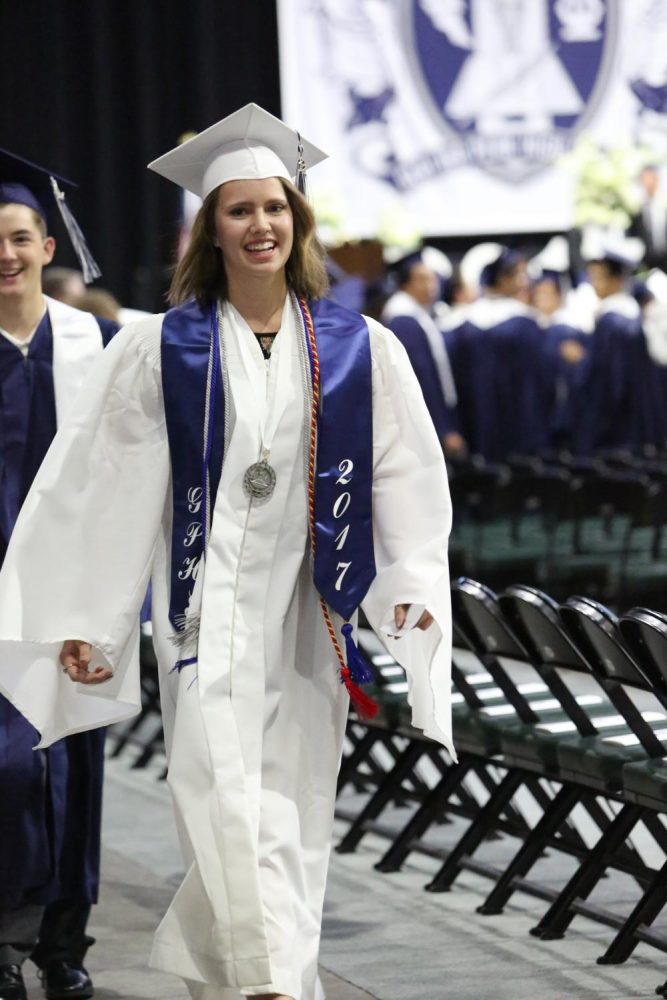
{"points": [[266, 455]]}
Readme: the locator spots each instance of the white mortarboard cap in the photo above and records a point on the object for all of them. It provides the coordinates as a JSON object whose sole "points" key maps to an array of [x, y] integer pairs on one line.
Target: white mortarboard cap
{"points": [[552, 258], [250, 144], [437, 261], [475, 260], [656, 282], [605, 244]]}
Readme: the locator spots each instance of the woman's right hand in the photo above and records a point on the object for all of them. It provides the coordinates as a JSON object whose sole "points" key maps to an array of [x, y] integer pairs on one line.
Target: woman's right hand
{"points": [[75, 658]]}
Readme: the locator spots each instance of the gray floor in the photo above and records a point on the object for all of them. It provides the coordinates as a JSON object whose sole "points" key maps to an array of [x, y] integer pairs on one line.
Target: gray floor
{"points": [[384, 937]]}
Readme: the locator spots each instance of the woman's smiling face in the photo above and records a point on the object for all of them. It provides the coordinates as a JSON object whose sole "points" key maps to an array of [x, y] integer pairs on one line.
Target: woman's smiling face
{"points": [[253, 228]]}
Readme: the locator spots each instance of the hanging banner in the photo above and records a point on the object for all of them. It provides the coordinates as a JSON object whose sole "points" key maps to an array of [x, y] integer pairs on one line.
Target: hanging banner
{"points": [[456, 116]]}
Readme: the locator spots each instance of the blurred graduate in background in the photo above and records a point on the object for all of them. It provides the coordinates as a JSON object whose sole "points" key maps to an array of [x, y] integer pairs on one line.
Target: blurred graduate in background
{"points": [[409, 313]]}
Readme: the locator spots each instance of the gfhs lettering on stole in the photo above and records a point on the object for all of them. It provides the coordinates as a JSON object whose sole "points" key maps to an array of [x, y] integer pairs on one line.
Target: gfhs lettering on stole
{"points": [[190, 564], [340, 508]]}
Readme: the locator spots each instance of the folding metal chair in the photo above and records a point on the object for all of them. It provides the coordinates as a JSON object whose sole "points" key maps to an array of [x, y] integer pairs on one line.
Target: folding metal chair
{"points": [[534, 618], [645, 634], [478, 615], [476, 742], [594, 631]]}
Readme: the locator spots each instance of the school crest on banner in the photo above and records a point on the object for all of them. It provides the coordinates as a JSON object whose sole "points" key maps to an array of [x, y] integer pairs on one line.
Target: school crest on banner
{"points": [[511, 80], [440, 109]]}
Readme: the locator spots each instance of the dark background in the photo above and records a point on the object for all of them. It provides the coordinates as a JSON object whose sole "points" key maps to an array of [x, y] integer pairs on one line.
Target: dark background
{"points": [[96, 89]]}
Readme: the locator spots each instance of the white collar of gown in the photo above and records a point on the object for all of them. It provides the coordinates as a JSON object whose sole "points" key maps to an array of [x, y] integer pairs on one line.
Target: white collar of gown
{"points": [[77, 341], [249, 380]]}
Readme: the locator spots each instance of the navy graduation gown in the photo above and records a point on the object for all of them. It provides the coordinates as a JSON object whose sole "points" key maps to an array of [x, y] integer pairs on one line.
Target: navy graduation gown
{"points": [[561, 380], [619, 400], [50, 800], [410, 333], [499, 375]]}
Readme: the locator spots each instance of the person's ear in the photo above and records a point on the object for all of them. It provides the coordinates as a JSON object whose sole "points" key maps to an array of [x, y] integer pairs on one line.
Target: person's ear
{"points": [[49, 250]]}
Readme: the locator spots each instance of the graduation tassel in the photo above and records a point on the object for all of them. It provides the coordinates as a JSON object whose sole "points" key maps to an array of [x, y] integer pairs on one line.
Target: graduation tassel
{"points": [[88, 265], [362, 703], [300, 178], [360, 670], [181, 664], [188, 630], [356, 672]]}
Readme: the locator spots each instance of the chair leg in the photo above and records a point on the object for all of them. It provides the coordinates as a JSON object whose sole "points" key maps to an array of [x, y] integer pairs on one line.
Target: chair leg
{"points": [[644, 913], [150, 707], [554, 817], [392, 860], [657, 830], [559, 916], [351, 763], [385, 791], [476, 832]]}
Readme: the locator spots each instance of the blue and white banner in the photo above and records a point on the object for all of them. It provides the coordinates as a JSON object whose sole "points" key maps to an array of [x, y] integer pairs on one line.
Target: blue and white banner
{"points": [[456, 114]]}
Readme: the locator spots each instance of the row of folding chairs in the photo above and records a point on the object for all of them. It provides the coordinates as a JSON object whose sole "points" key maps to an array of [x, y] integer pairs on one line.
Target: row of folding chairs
{"points": [[566, 704], [590, 526]]}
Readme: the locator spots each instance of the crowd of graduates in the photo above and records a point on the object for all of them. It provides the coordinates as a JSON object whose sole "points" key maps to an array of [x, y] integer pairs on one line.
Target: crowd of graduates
{"points": [[518, 356]]}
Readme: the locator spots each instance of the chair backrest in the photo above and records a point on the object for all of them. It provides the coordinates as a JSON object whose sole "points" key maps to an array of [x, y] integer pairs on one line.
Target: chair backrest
{"points": [[645, 634], [479, 619], [534, 619], [610, 494], [476, 490], [594, 630], [546, 493]]}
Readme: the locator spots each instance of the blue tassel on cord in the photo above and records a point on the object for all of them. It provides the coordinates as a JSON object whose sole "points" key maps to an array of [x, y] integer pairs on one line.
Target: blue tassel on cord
{"points": [[180, 664], [360, 670]]}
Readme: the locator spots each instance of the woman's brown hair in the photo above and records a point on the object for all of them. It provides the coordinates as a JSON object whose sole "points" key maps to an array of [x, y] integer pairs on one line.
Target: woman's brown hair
{"points": [[200, 273]]}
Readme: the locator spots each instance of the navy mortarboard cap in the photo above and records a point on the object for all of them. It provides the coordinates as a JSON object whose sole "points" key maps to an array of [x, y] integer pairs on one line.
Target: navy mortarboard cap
{"points": [[505, 262], [25, 183], [400, 269], [641, 292], [431, 257]]}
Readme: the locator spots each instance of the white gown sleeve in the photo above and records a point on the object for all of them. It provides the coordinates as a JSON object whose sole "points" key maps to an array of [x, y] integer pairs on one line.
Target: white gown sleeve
{"points": [[80, 557], [412, 519]]}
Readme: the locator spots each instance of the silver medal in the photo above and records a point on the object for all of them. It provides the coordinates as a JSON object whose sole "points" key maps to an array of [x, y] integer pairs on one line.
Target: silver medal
{"points": [[259, 480]]}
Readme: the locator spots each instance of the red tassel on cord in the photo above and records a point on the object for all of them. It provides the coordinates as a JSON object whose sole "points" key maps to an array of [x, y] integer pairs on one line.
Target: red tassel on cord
{"points": [[363, 705]]}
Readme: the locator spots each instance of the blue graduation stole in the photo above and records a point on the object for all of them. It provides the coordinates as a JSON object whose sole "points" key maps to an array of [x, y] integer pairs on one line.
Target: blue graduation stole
{"points": [[344, 565]]}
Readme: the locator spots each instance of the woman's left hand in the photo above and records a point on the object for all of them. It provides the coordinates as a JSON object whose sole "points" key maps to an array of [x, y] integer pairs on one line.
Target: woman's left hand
{"points": [[75, 659], [401, 613]]}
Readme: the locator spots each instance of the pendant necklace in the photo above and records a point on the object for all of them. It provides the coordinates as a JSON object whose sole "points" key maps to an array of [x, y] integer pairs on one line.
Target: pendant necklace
{"points": [[259, 480]]}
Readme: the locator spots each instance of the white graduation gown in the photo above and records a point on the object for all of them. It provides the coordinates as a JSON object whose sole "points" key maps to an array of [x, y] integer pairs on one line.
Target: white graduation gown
{"points": [[255, 729]]}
